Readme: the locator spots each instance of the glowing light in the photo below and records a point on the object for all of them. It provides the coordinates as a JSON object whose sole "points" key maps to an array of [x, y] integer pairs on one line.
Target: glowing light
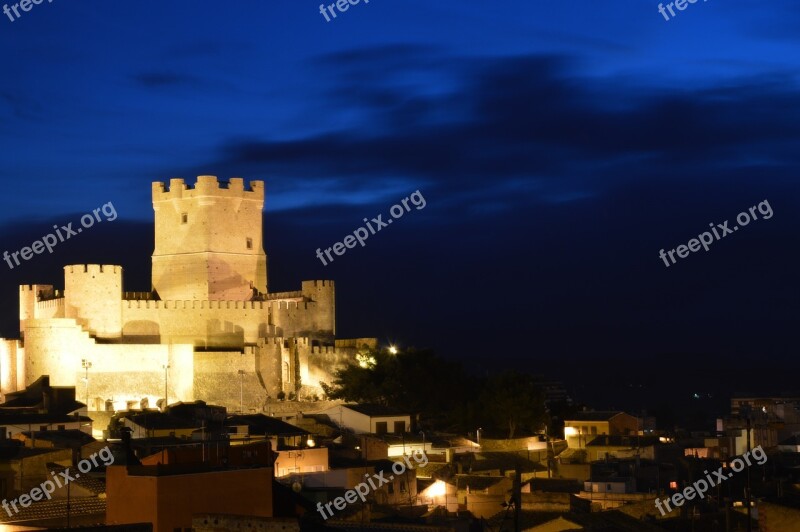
{"points": [[393, 349], [311, 442], [365, 361], [438, 489], [570, 431]]}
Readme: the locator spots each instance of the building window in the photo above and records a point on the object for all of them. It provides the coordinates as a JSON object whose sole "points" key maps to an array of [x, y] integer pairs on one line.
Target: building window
{"points": [[584, 430], [62, 427], [43, 428], [391, 488], [381, 428], [249, 243], [402, 486], [399, 426], [184, 217], [594, 430]]}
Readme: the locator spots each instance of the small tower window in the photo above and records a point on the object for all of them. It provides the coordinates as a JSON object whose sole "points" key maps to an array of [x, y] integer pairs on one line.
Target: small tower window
{"points": [[249, 243], [184, 218]]}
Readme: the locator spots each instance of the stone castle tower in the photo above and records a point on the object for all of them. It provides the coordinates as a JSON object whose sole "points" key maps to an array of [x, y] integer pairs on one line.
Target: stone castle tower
{"points": [[208, 240], [208, 328]]}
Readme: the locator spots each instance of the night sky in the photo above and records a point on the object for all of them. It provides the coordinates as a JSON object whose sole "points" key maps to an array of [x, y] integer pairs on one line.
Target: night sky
{"points": [[558, 145]]}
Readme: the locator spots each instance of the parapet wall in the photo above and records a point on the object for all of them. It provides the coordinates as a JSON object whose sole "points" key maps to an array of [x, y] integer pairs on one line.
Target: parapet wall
{"points": [[208, 185]]}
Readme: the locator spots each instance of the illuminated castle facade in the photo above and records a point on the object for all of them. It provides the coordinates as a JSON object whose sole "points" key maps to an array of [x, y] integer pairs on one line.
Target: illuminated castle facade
{"points": [[209, 329]]}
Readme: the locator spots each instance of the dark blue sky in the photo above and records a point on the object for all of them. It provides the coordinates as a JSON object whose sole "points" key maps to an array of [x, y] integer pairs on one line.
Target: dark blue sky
{"points": [[559, 146]]}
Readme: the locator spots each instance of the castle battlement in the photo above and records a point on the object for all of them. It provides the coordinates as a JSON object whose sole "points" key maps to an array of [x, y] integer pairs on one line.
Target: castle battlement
{"points": [[319, 283], [194, 305], [93, 269], [297, 294], [289, 305], [323, 350], [208, 185]]}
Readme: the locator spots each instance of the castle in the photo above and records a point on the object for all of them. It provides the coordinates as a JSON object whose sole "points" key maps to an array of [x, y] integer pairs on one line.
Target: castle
{"points": [[209, 329]]}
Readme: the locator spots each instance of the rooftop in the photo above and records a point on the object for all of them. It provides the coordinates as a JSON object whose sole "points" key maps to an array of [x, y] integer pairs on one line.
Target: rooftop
{"points": [[374, 410], [593, 416], [262, 425]]}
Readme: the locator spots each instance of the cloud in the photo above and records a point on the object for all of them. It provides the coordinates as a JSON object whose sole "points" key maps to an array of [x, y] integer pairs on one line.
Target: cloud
{"points": [[527, 119]]}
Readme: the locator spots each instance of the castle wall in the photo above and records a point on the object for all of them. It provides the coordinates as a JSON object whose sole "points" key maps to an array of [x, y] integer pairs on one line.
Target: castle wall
{"points": [[120, 372], [31, 308], [314, 318], [8, 365], [324, 361], [217, 380], [231, 324], [208, 240], [201, 323], [93, 297]]}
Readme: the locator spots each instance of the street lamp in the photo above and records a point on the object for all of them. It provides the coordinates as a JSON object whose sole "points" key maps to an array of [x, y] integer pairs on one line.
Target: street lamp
{"points": [[166, 382], [85, 364], [241, 391], [393, 349]]}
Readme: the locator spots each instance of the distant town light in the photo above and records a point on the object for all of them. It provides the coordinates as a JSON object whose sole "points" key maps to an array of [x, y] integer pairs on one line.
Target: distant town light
{"points": [[393, 349], [311, 442]]}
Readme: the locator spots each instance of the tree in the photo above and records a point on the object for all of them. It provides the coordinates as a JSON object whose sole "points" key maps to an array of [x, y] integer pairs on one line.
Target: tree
{"points": [[514, 401], [415, 380]]}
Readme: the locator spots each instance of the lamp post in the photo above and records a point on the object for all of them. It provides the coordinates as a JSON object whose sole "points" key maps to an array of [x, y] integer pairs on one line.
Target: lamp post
{"points": [[241, 391], [85, 364], [166, 383]]}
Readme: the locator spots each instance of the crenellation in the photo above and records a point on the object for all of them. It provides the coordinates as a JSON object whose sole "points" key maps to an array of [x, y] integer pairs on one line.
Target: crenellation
{"points": [[208, 185], [93, 269]]}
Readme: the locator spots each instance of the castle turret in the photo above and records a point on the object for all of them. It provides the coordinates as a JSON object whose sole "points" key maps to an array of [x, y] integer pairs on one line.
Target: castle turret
{"points": [[209, 240], [93, 297]]}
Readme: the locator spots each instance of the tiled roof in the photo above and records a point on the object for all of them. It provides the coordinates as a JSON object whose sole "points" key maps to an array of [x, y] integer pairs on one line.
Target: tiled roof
{"points": [[261, 425], [18, 418], [62, 437], [94, 484], [160, 421], [57, 509]]}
